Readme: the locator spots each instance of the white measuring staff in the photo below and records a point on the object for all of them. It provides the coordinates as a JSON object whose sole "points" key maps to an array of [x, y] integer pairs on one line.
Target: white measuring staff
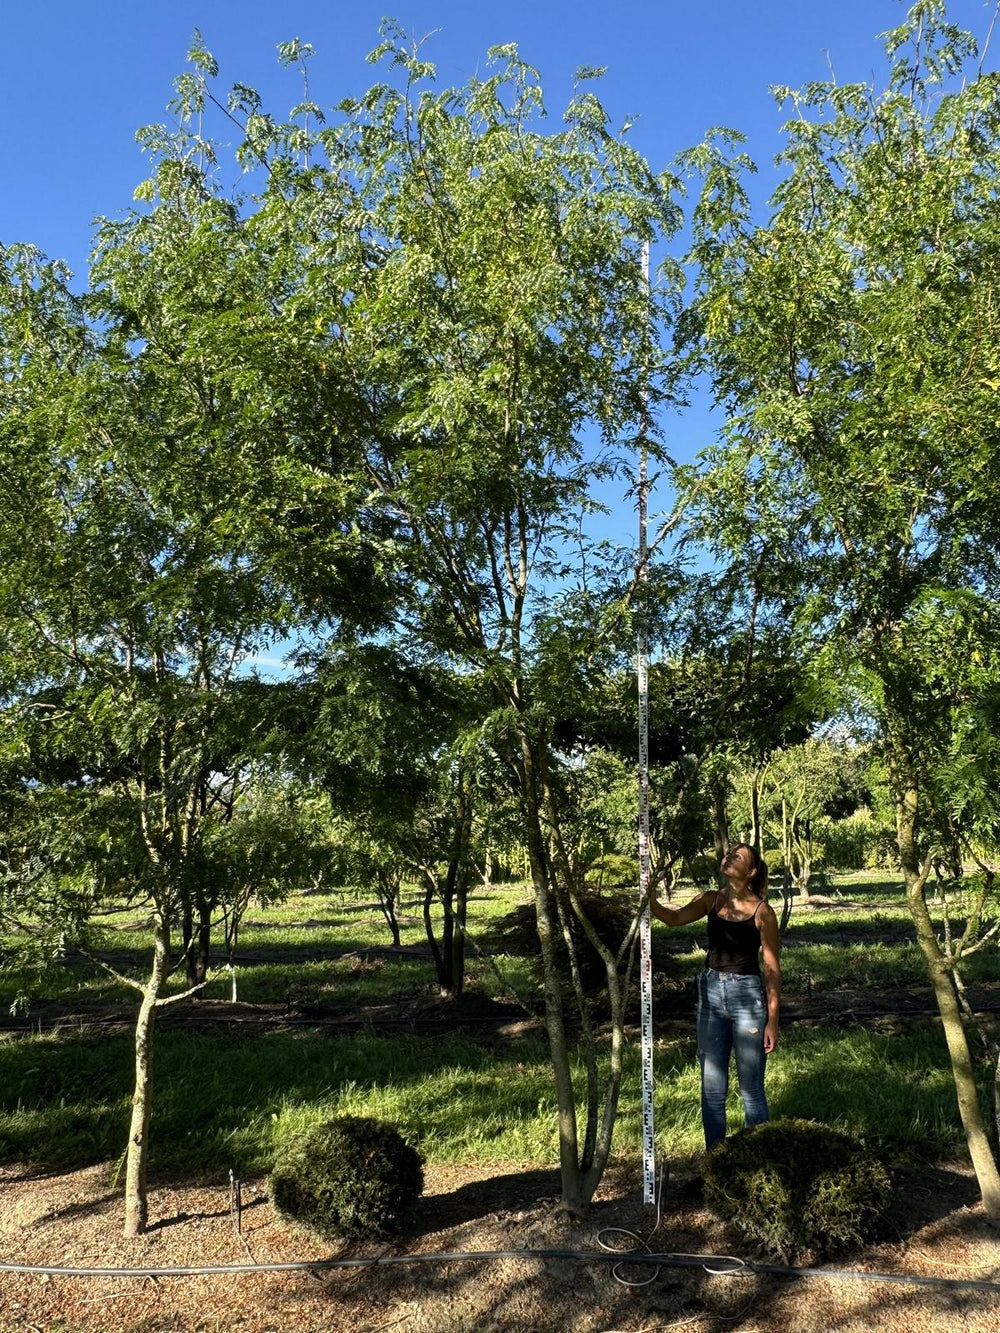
{"points": [[645, 940]]}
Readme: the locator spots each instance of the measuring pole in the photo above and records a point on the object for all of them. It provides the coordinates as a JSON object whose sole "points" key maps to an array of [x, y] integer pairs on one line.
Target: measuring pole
{"points": [[645, 941]]}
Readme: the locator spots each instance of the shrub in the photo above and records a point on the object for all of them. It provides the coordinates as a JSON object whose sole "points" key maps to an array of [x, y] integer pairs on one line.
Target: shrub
{"points": [[611, 914], [796, 1185], [612, 870], [349, 1177], [860, 842]]}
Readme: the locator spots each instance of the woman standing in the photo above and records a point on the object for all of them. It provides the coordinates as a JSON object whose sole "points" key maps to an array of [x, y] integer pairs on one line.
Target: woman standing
{"points": [[737, 1008]]}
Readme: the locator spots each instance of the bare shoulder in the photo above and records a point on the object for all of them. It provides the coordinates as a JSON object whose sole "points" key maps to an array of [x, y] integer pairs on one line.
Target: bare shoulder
{"points": [[765, 912], [767, 923]]}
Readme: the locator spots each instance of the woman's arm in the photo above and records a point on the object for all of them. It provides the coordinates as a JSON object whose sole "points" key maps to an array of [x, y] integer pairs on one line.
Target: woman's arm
{"points": [[770, 943], [681, 916]]}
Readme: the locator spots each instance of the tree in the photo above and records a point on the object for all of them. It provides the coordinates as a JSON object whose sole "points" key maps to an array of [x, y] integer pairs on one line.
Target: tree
{"points": [[394, 744], [854, 342], [157, 436], [801, 789], [496, 308]]}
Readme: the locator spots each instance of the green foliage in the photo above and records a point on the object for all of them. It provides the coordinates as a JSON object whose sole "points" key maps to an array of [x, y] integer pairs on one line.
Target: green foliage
{"points": [[614, 870], [352, 1177], [860, 842], [795, 1185], [852, 338]]}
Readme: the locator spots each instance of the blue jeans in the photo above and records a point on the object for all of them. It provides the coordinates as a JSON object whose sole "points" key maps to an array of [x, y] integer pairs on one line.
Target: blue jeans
{"points": [[732, 1013]]}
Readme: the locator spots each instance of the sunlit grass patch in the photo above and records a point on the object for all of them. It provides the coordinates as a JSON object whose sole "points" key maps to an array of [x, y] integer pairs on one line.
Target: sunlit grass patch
{"points": [[220, 1102]]}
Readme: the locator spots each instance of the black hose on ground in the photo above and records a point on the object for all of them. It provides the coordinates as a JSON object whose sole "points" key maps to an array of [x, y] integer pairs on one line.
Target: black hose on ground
{"points": [[718, 1265]]}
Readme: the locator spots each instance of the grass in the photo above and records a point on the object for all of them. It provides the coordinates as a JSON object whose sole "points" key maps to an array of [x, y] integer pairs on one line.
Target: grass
{"points": [[223, 1101]]}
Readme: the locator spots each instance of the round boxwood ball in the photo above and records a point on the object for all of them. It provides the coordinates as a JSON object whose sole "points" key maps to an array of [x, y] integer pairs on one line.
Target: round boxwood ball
{"points": [[348, 1177], [796, 1185]]}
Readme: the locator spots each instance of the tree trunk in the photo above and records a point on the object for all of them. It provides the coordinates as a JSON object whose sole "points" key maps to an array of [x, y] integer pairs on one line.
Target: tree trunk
{"points": [[136, 1207], [573, 1199], [197, 938], [387, 889], [983, 1161], [720, 819], [458, 898], [754, 785], [430, 891], [600, 1121], [446, 978], [188, 939], [449, 952], [204, 940], [458, 942]]}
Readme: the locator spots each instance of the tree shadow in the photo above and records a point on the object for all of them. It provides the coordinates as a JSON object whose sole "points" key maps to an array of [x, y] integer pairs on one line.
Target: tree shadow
{"points": [[177, 1218], [84, 1208], [522, 1191], [926, 1195]]}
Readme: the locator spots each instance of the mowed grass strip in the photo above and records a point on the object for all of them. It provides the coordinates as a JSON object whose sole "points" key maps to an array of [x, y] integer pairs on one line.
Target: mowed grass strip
{"points": [[222, 1099], [272, 958], [223, 1102]]}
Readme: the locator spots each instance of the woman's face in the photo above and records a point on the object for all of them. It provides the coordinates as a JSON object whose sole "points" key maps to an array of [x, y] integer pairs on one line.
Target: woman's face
{"points": [[738, 862]]}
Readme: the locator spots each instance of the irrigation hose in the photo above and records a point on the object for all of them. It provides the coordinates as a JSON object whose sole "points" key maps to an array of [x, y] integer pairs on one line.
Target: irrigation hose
{"points": [[717, 1265]]}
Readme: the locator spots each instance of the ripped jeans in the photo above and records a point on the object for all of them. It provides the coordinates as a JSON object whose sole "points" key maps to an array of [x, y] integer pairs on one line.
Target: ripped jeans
{"points": [[732, 1013]]}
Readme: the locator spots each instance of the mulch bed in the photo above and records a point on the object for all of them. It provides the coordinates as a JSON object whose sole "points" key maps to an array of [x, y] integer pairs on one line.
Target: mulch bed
{"points": [[937, 1228]]}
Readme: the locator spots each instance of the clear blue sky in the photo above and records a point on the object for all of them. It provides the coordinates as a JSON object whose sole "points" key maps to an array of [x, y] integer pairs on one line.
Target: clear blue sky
{"points": [[77, 79]]}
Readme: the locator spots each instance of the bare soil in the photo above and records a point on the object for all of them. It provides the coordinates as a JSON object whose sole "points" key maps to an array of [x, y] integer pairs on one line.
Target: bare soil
{"points": [[937, 1229]]}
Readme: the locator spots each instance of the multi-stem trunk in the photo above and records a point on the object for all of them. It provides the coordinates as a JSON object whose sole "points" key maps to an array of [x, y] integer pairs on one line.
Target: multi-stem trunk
{"points": [[601, 1111], [573, 1194], [137, 1153], [197, 937], [388, 900], [963, 1073], [452, 897]]}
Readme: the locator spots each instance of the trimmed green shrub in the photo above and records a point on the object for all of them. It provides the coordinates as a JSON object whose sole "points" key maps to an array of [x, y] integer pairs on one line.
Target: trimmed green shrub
{"points": [[348, 1177], [797, 1185]]}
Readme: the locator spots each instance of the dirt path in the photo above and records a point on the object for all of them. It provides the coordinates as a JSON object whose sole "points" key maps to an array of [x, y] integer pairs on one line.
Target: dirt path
{"points": [[936, 1229]]}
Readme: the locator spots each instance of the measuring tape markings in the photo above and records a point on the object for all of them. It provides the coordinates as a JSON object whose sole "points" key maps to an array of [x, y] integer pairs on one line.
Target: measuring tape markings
{"points": [[645, 938]]}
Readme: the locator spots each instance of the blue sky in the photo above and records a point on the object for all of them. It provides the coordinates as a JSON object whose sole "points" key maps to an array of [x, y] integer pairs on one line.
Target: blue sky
{"points": [[77, 79]]}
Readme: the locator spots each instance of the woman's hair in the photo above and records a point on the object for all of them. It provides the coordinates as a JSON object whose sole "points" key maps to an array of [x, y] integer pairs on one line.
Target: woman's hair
{"points": [[758, 875]]}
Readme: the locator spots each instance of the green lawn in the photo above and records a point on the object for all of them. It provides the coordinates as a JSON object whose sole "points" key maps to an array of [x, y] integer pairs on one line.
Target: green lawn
{"points": [[223, 1098]]}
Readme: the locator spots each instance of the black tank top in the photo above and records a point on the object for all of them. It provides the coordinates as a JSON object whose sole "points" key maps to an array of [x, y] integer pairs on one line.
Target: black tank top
{"points": [[734, 946]]}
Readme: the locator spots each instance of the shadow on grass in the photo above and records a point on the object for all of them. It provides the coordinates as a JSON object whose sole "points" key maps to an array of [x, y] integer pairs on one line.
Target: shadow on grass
{"points": [[222, 1102], [895, 1092], [64, 1101]]}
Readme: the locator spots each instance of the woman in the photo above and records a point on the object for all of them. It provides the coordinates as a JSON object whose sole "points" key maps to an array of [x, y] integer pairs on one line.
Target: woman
{"points": [[737, 1010]]}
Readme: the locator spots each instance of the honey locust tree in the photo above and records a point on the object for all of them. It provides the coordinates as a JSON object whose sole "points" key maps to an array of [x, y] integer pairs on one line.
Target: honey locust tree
{"points": [[158, 437], [396, 746], [483, 291], [854, 342], [509, 314]]}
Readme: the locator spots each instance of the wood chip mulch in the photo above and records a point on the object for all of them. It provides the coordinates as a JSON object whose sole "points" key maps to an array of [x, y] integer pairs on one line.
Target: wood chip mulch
{"points": [[75, 1219]]}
